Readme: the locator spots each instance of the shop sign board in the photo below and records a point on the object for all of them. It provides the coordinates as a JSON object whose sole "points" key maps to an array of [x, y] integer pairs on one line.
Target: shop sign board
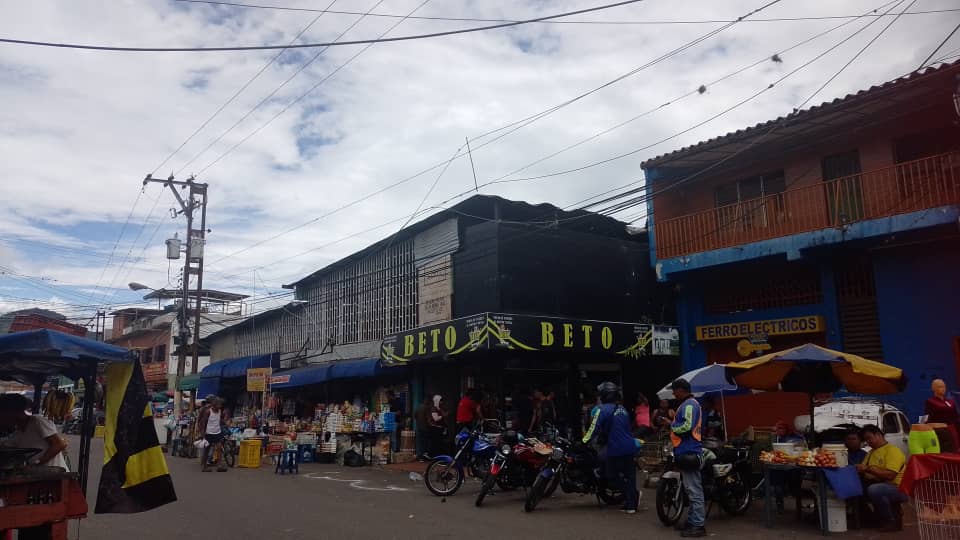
{"points": [[257, 379], [279, 379], [491, 331], [811, 324], [435, 290]]}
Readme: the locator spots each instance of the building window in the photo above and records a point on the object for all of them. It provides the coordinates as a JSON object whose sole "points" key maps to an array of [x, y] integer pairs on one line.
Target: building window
{"points": [[146, 356], [771, 287], [160, 354], [750, 202], [841, 175]]}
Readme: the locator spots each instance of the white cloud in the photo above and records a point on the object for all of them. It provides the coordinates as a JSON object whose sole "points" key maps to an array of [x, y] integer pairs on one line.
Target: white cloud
{"points": [[80, 129]]}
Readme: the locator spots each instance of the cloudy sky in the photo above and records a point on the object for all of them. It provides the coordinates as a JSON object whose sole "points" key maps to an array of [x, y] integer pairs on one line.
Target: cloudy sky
{"points": [[80, 129]]}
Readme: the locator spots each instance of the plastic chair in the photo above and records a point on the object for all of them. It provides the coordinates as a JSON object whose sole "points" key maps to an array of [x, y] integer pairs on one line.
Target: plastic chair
{"points": [[287, 462]]}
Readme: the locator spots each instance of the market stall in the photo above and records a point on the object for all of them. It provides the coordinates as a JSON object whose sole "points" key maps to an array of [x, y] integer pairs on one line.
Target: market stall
{"points": [[47, 497], [329, 409], [812, 370]]}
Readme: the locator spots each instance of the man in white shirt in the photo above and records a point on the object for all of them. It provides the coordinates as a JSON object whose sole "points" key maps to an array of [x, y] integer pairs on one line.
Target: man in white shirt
{"points": [[211, 425], [31, 431]]}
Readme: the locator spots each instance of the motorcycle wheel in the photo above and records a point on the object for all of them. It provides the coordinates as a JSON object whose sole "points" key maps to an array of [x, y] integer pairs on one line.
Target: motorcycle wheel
{"points": [[443, 478], [485, 488], [667, 510], [537, 491], [552, 488], [737, 499]]}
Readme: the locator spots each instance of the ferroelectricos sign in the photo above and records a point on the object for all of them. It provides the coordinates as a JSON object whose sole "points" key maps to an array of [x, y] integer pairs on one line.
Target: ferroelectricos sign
{"points": [[811, 324]]}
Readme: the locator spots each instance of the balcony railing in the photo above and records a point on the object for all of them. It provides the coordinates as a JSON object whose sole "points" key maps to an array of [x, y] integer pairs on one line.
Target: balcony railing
{"points": [[903, 188]]}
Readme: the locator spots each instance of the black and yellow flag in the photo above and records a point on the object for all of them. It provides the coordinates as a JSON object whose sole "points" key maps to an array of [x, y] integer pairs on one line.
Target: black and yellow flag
{"points": [[135, 477]]}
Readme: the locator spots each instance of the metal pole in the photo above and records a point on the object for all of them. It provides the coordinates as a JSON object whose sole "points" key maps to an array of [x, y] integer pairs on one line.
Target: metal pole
{"points": [[86, 429], [202, 191], [182, 322]]}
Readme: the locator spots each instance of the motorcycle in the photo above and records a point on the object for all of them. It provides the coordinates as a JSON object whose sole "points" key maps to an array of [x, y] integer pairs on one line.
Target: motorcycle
{"points": [[515, 464], [725, 481], [445, 474], [575, 468]]}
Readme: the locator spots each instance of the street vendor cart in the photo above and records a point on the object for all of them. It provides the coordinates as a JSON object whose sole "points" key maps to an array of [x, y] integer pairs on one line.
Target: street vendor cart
{"points": [[47, 497]]}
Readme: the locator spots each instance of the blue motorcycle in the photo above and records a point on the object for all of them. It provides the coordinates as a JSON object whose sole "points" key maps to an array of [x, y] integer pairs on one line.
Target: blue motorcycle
{"points": [[445, 474]]}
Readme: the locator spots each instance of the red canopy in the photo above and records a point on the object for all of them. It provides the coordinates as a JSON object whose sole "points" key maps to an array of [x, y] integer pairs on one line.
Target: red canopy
{"points": [[923, 466]]}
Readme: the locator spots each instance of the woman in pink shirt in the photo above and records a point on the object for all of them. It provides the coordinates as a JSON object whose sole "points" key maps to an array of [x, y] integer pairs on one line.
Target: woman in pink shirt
{"points": [[641, 414]]}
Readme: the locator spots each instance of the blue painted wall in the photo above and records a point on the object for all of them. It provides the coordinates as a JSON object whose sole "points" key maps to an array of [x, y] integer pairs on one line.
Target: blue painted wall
{"points": [[918, 297], [690, 314]]}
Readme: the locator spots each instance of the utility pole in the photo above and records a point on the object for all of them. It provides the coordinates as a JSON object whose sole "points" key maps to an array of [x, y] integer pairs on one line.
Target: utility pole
{"points": [[196, 198]]}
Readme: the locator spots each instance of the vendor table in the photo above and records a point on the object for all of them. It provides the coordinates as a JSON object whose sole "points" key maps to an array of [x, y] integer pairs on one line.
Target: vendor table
{"points": [[41, 496], [367, 441], [820, 492]]}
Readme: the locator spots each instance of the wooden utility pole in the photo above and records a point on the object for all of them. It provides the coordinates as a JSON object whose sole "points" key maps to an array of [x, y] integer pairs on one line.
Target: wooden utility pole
{"points": [[196, 198]]}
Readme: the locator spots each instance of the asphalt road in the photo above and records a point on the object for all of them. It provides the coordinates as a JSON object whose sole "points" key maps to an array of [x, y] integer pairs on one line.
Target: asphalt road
{"points": [[332, 502]]}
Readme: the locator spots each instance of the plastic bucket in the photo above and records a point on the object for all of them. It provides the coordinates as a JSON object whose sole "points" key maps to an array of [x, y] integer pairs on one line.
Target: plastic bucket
{"points": [[836, 515], [840, 451]]}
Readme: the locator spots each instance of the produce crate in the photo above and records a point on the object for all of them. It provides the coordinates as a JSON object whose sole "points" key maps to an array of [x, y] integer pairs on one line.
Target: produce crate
{"points": [[250, 453]]}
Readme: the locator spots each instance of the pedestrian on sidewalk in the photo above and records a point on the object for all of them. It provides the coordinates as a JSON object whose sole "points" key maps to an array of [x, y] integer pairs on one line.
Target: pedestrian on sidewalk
{"points": [[685, 433], [438, 426], [211, 424], [421, 418]]}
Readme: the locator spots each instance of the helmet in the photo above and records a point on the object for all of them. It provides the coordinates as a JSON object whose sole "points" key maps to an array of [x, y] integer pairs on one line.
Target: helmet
{"points": [[609, 392]]}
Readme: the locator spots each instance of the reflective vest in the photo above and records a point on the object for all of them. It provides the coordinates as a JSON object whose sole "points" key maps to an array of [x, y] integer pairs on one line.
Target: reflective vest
{"points": [[685, 430]]}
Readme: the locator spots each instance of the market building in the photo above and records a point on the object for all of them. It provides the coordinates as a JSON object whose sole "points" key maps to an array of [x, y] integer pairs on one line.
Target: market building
{"points": [[836, 225], [490, 294]]}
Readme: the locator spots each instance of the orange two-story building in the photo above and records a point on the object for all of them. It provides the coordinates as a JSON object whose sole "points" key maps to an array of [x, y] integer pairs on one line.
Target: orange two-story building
{"points": [[836, 225]]}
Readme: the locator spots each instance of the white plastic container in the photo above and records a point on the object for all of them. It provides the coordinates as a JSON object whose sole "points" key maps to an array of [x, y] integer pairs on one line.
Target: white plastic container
{"points": [[836, 515]]}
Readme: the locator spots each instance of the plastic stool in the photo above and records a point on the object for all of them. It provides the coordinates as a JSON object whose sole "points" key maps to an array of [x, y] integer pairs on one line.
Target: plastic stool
{"points": [[287, 462]]}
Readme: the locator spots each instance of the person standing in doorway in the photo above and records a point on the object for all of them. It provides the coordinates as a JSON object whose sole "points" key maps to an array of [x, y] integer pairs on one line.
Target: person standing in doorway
{"points": [[468, 410], [685, 433], [211, 423], [438, 426], [422, 419], [641, 416], [396, 407]]}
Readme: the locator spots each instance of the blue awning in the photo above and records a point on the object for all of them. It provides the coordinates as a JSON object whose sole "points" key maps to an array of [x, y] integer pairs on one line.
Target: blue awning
{"points": [[207, 387], [330, 371], [237, 367], [368, 367], [36, 354], [302, 376]]}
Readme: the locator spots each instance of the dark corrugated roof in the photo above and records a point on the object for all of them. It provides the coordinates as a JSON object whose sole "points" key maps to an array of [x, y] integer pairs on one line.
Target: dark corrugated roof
{"points": [[798, 116]]}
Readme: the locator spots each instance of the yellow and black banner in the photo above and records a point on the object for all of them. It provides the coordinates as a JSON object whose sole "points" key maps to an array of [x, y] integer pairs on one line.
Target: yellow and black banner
{"points": [[135, 477]]}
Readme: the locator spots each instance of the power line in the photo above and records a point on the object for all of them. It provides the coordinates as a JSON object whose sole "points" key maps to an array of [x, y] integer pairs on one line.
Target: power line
{"points": [[303, 95], [314, 45], [940, 46], [266, 99], [521, 123], [703, 122], [484, 20], [239, 91]]}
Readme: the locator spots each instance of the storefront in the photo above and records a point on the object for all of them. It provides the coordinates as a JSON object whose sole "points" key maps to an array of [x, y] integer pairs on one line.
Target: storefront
{"points": [[508, 356], [228, 380], [726, 342], [332, 407]]}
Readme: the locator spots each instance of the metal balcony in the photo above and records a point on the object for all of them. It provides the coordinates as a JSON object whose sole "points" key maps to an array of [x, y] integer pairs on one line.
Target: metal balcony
{"points": [[900, 189]]}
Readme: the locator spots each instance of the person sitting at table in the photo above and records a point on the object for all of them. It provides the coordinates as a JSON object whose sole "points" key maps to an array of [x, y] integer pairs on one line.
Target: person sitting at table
{"points": [[783, 481], [31, 431], [882, 471], [854, 443]]}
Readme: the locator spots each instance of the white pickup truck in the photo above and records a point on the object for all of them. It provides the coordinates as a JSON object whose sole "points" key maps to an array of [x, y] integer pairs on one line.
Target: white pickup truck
{"points": [[832, 419]]}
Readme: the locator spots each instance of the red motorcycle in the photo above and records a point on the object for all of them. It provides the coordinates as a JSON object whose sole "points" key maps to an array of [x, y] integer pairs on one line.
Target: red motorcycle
{"points": [[515, 465]]}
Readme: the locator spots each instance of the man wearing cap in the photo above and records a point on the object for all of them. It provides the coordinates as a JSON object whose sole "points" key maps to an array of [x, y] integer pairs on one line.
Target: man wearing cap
{"points": [[687, 452]]}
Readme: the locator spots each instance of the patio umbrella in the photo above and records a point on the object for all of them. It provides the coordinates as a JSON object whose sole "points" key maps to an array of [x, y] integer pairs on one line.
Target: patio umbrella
{"points": [[812, 369], [710, 379]]}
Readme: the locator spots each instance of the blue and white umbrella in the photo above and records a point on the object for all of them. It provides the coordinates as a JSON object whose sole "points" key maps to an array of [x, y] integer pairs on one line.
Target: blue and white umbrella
{"points": [[710, 379]]}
